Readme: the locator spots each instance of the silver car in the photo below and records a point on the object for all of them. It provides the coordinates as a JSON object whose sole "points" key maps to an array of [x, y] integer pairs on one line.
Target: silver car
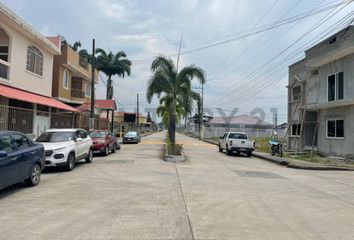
{"points": [[131, 137]]}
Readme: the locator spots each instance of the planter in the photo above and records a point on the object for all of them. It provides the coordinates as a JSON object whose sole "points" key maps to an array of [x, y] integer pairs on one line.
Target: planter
{"points": [[173, 158]]}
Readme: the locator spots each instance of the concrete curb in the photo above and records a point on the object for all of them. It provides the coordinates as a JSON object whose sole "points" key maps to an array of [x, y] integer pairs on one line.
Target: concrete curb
{"points": [[296, 164]]}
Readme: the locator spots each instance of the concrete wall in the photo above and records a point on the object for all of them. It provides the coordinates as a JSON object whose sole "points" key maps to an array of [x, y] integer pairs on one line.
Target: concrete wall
{"points": [[19, 76], [337, 147]]}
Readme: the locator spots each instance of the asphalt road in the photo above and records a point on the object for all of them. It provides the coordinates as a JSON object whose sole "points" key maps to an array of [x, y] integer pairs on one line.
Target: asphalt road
{"points": [[133, 194]]}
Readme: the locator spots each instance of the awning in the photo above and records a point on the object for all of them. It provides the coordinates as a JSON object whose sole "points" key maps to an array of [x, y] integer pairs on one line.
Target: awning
{"points": [[22, 95]]}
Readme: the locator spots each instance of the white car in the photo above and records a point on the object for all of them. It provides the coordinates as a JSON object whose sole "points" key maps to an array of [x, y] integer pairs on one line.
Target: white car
{"points": [[63, 147], [236, 142]]}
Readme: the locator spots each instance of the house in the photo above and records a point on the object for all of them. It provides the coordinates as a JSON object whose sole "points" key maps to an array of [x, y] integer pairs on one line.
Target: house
{"points": [[126, 121], [26, 68], [104, 110], [72, 77], [321, 97]]}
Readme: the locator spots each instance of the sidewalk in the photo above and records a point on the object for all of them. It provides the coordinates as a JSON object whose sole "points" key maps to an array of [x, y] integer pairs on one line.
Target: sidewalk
{"points": [[292, 163]]}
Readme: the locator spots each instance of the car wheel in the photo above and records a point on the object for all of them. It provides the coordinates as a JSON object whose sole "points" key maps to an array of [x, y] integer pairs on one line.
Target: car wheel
{"points": [[70, 164], [114, 148], [89, 157], [35, 176], [106, 151], [220, 149]]}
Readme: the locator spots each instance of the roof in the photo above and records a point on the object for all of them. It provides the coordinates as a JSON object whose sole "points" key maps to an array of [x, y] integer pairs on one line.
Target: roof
{"points": [[100, 104], [15, 93], [28, 30], [241, 119]]}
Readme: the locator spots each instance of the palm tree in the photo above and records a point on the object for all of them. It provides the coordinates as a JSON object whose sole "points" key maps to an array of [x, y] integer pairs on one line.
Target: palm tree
{"points": [[163, 109], [173, 84], [112, 64], [76, 46]]}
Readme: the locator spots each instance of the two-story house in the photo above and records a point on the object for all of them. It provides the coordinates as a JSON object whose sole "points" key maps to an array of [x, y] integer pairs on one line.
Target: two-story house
{"points": [[321, 97], [26, 68], [72, 78]]}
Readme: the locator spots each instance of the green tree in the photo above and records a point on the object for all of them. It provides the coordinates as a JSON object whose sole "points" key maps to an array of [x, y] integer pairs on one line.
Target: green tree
{"points": [[112, 64], [173, 84]]}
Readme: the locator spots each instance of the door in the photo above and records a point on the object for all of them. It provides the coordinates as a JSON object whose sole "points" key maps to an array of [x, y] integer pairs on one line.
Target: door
{"points": [[41, 124], [223, 141], [110, 139], [8, 167]]}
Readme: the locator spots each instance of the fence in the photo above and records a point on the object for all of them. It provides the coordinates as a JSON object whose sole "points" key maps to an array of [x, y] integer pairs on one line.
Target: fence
{"points": [[16, 119], [82, 120]]}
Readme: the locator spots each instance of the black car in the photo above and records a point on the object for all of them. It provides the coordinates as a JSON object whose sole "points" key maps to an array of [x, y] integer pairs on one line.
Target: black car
{"points": [[21, 159]]}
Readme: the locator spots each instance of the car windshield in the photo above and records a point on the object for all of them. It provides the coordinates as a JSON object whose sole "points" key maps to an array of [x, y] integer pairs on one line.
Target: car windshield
{"points": [[96, 134], [103, 133], [55, 137], [131, 134], [237, 136]]}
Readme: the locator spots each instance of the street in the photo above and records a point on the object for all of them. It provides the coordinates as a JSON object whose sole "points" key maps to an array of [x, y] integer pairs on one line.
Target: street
{"points": [[133, 194]]}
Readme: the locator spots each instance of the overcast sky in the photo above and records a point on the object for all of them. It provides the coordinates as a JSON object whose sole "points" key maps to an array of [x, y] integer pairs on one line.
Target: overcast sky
{"points": [[244, 72]]}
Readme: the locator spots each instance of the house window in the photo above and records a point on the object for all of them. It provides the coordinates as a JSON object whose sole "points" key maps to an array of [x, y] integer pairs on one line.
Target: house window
{"points": [[66, 79], [335, 86], [335, 128], [88, 90], [296, 93], [34, 60], [4, 53], [295, 129]]}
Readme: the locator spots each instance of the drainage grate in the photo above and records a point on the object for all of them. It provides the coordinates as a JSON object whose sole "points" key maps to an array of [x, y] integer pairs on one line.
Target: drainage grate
{"points": [[114, 161], [256, 174]]}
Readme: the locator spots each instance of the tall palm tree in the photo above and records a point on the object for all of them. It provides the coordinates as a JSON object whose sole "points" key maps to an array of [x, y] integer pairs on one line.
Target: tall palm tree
{"points": [[173, 84], [163, 109], [112, 64]]}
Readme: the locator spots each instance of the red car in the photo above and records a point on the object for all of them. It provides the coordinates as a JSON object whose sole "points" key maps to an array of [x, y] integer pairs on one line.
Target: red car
{"points": [[104, 141]]}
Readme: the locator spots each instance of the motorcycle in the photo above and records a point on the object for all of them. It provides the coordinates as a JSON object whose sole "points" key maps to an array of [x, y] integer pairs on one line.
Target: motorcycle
{"points": [[275, 146]]}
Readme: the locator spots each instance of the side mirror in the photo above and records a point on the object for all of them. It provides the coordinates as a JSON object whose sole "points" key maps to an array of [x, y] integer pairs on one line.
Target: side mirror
{"points": [[3, 154], [79, 139]]}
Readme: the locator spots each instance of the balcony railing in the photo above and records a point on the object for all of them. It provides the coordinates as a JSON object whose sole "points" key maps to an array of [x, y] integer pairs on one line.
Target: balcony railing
{"points": [[4, 69], [77, 93]]}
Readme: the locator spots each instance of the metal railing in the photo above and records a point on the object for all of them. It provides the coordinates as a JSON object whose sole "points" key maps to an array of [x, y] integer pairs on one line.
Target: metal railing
{"points": [[16, 119], [4, 69], [78, 93], [59, 120]]}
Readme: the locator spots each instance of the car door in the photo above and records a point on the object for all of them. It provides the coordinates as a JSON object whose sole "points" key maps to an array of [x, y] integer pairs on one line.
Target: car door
{"points": [[223, 141], [86, 143], [25, 152], [8, 167], [79, 150], [110, 139]]}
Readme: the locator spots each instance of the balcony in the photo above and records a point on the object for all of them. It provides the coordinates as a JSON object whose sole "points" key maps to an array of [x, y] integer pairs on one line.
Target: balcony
{"points": [[77, 93], [78, 66]]}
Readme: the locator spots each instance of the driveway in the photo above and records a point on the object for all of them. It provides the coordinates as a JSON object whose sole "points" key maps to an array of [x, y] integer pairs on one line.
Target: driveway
{"points": [[134, 195]]}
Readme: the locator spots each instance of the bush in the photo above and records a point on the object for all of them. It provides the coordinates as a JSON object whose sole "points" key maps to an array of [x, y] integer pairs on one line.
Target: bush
{"points": [[173, 149]]}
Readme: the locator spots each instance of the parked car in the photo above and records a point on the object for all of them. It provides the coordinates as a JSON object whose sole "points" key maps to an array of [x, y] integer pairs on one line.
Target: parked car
{"points": [[104, 141], [236, 142], [131, 137], [21, 159], [64, 147]]}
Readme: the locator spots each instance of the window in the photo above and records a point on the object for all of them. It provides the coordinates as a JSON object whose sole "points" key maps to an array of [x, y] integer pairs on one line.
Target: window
{"points": [[5, 144], [295, 129], [34, 60], [296, 93], [335, 128], [237, 136], [88, 90], [66, 79], [4, 53], [21, 142], [335, 86]]}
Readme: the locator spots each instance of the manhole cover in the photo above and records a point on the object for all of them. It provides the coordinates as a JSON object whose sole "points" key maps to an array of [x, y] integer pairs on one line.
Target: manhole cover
{"points": [[256, 174], [114, 161]]}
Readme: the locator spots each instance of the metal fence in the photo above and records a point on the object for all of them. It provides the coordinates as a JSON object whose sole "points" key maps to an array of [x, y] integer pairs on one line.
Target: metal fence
{"points": [[59, 120], [16, 119]]}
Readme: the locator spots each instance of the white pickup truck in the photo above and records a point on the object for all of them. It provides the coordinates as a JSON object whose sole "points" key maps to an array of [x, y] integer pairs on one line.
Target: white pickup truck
{"points": [[236, 142]]}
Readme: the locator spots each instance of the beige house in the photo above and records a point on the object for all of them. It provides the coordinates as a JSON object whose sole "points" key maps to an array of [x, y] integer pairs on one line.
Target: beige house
{"points": [[72, 78], [26, 70]]}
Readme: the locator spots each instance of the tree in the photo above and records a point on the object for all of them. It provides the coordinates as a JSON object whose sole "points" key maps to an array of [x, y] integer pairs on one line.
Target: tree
{"points": [[76, 46], [173, 84], [112, 64], [163, 110]]}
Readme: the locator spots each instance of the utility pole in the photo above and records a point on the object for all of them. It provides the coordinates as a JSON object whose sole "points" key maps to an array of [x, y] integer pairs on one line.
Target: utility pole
{"points": [[137, 110], [92, 113]]}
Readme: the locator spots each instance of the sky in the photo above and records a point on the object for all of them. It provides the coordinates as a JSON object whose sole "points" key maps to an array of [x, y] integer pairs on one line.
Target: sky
{"points": [[244, 46]]}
